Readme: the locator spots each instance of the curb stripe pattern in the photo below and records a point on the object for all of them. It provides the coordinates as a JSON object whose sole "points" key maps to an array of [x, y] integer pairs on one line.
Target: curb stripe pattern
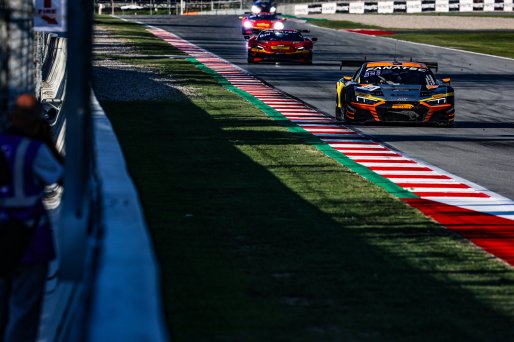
{"points": [[449, 199]]}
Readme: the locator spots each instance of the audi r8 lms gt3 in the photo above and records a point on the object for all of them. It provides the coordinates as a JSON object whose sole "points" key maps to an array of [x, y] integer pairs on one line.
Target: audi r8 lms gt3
{"points": [[254, 23], [280, 45], [394, 92]]}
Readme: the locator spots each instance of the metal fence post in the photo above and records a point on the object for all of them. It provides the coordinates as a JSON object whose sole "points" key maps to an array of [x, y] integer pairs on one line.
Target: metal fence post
{"points": [[4, 60], [74, 220], [17, 58]]}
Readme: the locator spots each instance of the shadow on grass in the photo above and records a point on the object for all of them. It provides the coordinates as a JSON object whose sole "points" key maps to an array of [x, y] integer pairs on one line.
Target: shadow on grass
{"points": [[260, 239]]}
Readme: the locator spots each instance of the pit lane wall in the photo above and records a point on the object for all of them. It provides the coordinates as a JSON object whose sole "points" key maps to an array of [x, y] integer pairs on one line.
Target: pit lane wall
{"points": [[397, 6]]}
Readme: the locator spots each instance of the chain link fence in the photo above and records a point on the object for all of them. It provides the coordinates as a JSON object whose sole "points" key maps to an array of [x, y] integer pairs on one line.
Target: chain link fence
{"points": [[21, 53]]}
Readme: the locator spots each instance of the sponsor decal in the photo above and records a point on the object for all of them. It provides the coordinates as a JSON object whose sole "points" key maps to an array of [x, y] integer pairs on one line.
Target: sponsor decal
{"points": [[403, 106], [314, 8], [394, 67], [357, 7], [400, 6], [454, 5], [329, 8], [370, 7], [466, 5], [369, 88], [428, 5], [438, 96], [386, 7], [343, 7]]}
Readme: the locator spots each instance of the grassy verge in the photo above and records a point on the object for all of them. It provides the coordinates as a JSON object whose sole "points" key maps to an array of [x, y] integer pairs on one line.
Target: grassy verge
{"points": [[262, 238], [498, 43], [493, 43]]}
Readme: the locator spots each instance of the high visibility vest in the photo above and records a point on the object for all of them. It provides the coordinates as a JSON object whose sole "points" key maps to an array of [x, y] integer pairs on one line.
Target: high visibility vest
{"points": [[21, 199]]}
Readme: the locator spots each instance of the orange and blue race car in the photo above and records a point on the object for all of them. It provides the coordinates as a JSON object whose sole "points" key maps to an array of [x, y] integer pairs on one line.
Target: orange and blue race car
{"points": [[280, 45], [393, 91], [254, 23]]}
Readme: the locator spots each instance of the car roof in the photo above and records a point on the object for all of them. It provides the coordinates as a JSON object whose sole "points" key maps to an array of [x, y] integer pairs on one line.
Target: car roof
{"points": [[396, 63]]}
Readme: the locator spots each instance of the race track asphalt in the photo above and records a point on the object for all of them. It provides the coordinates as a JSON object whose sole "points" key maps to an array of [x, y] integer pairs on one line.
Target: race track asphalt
{"points": [[480, 148]]}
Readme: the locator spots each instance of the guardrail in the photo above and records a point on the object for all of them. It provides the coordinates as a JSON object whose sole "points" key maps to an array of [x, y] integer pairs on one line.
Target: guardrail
{"points": [[398, 6]]}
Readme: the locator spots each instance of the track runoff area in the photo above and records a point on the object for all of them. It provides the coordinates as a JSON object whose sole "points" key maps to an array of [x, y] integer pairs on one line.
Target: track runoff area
{"points": [[480, 215]]}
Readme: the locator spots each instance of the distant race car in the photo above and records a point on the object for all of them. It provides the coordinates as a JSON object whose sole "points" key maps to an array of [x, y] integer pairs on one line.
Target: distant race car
{"points": [[254, 23], [392, 91], [263, 6], [280, 45]]}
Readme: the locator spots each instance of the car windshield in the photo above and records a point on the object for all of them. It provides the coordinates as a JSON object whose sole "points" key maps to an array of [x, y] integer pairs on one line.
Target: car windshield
{"points": [[284, 36], [262, 17], [397, 75]]}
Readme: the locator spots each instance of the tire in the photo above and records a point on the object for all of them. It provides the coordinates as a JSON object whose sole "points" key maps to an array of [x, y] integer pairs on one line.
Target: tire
{"points": [[308, 60], [251, 60], [344, 117], [339, 114]]}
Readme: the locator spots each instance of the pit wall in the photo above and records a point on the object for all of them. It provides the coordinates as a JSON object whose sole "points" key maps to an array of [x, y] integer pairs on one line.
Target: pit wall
{"points": [[397, 6]]}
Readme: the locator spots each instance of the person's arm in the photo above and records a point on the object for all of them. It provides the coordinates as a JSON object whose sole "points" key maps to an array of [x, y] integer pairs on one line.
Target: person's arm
{"points": [[5, 174]]}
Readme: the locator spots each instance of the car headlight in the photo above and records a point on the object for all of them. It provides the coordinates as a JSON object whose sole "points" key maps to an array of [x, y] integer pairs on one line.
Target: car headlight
{"points": [[365, 100], [259, 47], [436, 102], [278, 25], [256, 9], [300, 48], [247, 24]]}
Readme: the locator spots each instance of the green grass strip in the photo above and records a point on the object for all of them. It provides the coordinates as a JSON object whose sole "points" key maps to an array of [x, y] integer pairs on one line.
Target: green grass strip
{"points": [[491, 43], [497, 43], [308, 137]]}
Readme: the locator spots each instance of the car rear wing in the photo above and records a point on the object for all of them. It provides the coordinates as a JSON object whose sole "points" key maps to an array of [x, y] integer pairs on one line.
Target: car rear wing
{"points": [[431, 65], [352, 63], [360, 62]]}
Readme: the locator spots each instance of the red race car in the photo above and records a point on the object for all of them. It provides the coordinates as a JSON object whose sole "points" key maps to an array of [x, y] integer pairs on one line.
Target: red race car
{"points": [[280, 45], [254, 23]]}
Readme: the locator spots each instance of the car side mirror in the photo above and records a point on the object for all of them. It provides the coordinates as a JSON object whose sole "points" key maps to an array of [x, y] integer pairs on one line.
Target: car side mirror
{"points": [[347, 78], [305, 31], [314, 39], [446, 80], [247, 37]]}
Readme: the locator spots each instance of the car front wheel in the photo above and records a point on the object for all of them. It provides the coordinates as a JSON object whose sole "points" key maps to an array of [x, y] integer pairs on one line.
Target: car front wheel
{"points": [[250, 58]]}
